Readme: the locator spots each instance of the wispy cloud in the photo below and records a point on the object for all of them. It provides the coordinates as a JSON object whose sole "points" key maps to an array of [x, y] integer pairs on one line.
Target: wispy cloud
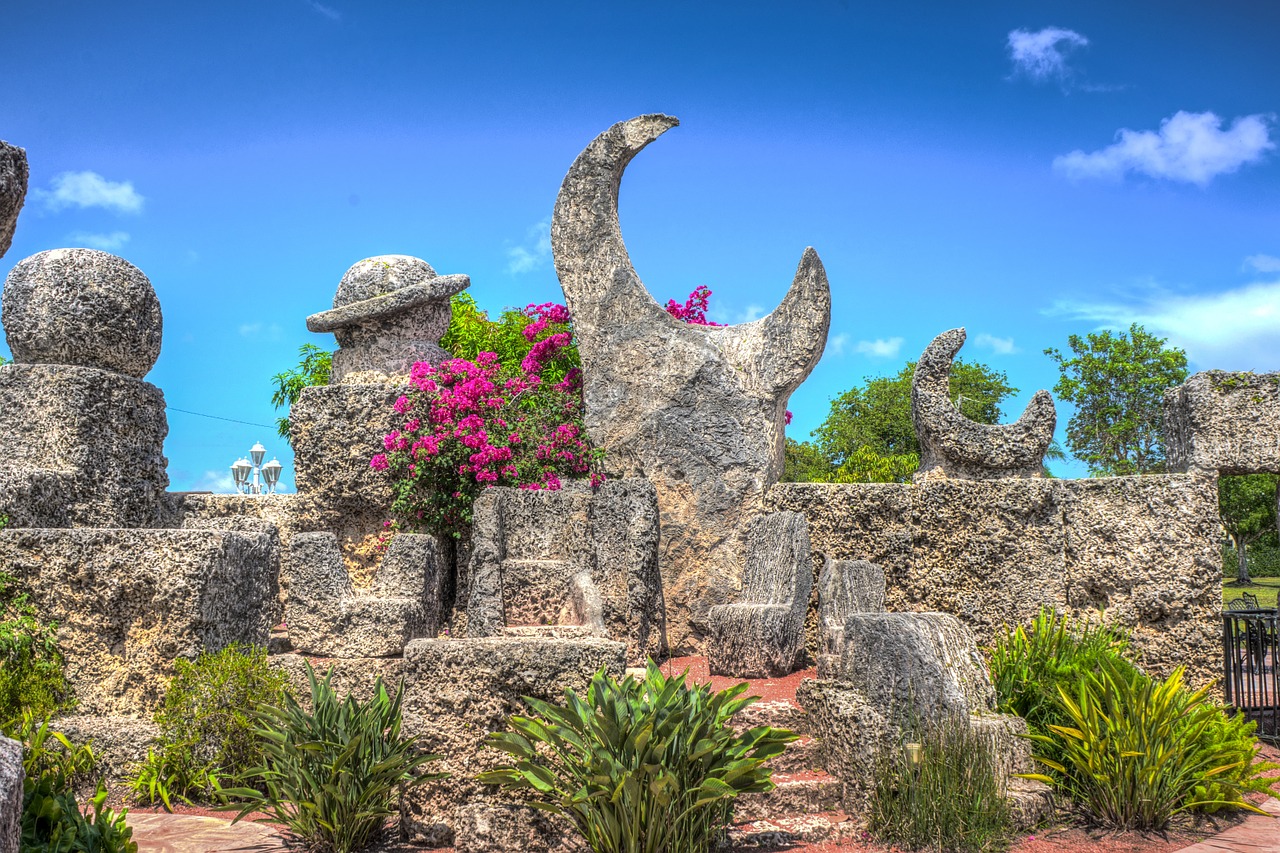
{"points": [[836, 344], [328, 11], [1235, 329], [269, 331], [1262, 263], [749, 314], [89, 189], [1189, 147], [999, 346], [112, 242], [1041, 56], [879, 348], [534, 253], [219, 482]]}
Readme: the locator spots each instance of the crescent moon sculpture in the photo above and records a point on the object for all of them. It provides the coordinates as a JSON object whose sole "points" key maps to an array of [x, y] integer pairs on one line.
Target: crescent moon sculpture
{"points": [[13, 190], [954, 446], [697, 410]]}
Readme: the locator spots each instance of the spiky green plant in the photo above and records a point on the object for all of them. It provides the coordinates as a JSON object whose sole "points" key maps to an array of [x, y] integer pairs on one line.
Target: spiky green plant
{"points": [[331, 774], [640, 766]]}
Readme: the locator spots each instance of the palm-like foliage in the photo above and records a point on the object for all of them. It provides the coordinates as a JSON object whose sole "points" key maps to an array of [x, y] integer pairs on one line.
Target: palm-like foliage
{"points": [[640, 766]]}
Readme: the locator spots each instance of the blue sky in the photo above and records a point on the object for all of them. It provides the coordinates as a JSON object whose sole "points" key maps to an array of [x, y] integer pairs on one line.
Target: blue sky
{"points": [[1027, 170]]}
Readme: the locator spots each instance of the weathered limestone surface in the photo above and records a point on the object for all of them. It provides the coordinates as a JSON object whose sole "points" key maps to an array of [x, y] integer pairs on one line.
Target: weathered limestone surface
{"points": [[846, 587], [82, 307], [389, 312], [567, 558], [96, 434], [119, 743], [696, 410], [924, 666], [458, 691], [762, 636], [129, 602], [1142, 550], [326, 618], [336, 430], [952, 445], [1225, 423], [11, 780], [13, 191]]}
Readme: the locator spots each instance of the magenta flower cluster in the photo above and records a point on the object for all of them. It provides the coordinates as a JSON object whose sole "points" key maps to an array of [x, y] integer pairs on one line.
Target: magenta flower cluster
{"points": [[471, 425], [694, 309]]}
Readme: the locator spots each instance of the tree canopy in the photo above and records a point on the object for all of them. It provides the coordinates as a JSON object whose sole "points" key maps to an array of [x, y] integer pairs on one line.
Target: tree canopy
{"points": [[869, 437], [1247, 508], [1117, 383]]}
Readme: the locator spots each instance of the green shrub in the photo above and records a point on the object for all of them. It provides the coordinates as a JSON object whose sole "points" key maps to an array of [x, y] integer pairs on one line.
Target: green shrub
{"points": [[645, 766], [1264, 560], [1028, 665], [207, 732], [51, 818], [331, 775], [1138, 751], [32, 674], [951, 798]]}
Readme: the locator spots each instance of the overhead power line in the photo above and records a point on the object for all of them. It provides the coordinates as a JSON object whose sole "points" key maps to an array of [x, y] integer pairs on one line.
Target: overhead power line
{"points": [[217, 418]]}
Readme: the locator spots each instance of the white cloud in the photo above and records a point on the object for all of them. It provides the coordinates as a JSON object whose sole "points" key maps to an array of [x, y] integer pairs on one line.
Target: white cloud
{"points": [[837, 343], [750, 314], [1262, 263], [1042, 55], [89, 189], [328, 11], [535, 253], [999, 346], [219, 482], [1233, 330], [879, 348], [112, 242], [1189, 147]]}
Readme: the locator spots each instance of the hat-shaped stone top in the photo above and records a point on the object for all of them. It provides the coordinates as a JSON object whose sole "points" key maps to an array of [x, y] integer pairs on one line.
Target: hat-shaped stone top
{"points": [[82, 307], [13, 189], [380, 287]]}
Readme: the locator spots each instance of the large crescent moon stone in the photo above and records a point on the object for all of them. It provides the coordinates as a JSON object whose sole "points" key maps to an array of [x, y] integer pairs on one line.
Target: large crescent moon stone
{"points": [[13, 190], [82, 307]]}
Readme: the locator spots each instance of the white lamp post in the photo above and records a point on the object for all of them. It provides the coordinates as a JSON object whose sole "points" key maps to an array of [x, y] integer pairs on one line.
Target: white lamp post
{"points": [[254, 478]]}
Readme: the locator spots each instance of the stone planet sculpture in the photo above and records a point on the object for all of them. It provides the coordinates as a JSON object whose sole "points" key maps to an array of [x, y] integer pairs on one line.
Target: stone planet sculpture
{"points": [[389, 312], [954, 446], [84, 308], [13, 190], [697, 410]]}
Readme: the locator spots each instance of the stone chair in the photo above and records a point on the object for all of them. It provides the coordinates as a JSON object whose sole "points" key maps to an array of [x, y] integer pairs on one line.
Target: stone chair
{"points": [[327, 617], [567, 563], [762, 636], [845, 587]]}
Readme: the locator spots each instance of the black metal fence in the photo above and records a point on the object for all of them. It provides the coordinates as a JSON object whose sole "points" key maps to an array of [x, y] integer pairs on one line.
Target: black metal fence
{"points": [[1249, 659]]}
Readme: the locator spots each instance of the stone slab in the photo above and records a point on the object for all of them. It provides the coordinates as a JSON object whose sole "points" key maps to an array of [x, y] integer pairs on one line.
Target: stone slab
{"points": [[1225, 423], [11, 781], [129, 602]]}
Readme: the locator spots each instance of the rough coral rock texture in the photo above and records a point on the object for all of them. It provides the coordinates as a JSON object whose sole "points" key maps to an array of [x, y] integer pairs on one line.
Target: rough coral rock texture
{"points": [[336, 430], [130, 602], [697, 410], [389, 312], [327, 619], [82, 307], [119, 743], [1224, 423], [568, 558], [922, 666], [457, 692], [1139, 552], [846, 587], [13, 190], [11, 781], [36, 497], [100, 434], [762, 635], [952, 445]]}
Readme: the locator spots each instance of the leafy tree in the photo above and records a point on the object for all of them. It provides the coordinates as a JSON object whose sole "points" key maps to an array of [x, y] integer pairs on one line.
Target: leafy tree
{"points": [[1117, 383], [802, 462], [312, 369], [1247, 507], [869, 437]]}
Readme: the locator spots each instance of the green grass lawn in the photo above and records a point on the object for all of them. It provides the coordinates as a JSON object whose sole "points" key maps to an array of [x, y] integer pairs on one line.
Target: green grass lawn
{"points": [[1265, 589]]}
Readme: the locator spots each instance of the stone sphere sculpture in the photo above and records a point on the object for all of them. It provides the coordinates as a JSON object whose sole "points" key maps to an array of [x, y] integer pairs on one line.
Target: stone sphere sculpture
{"points": [[13, 190], [84, 308]]}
